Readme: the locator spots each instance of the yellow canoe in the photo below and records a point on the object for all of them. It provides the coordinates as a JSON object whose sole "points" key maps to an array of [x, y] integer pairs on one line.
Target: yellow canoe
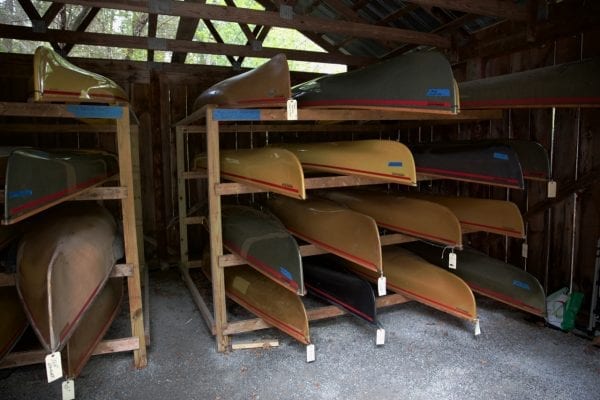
{"points": [[387, 160], [56, 79], [265, 86], [415, 217], [332, 227], [415, 278], [482, 215], [269, 168]]}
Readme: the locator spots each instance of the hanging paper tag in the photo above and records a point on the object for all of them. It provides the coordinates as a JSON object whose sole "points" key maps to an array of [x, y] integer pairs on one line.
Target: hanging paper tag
{"points": [[68, 390], [380, 338], [310, 353], [477, 328], [54, 367], [551, 189], [452, 260], [292, 110], [381, 286], [524, 249]]}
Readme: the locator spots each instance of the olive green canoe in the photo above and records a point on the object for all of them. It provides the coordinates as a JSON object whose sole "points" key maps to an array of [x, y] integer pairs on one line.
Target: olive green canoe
{"points": [[269, 168], [415, 217], [57, 80], [332, 227], [387, 160], [63, 262]]}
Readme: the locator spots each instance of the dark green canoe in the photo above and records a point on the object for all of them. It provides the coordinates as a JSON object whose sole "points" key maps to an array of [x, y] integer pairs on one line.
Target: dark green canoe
{"points": [[490, 277], [37, 179], [418, 82]]}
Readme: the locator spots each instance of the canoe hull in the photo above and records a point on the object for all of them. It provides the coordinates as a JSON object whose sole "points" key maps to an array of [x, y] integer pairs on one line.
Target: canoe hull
{"points": [[62, 264], [272, 169], [330, 281], [491, 278], [386, 160], [332, 227], [415, 278], [253, 235], [414, 217], [265, 86], [56, 79], [35, 180], [13, 317], [419, 82]]}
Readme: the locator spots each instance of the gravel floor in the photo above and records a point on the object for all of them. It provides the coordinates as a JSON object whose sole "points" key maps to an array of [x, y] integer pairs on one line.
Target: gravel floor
{"points": [[427, 355]]}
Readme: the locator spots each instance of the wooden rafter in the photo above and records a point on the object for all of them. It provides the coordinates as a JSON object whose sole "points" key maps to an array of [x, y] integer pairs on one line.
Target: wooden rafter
{"points": [[186, 29], [82, 23], [136, 42], [492, 8], [217, 36], [41, 23], [51, 13], [152, 28], [260, 33], [30, 10], [270, 18]]}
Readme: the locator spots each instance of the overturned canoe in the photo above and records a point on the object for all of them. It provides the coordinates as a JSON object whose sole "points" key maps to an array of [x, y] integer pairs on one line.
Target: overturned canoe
{"points": [[35, 180], [56, 79], [481, 215], [264, 243], [62, 264], [332, 227], [266, 299], [93, 326], [265, 86], [480, 162], [13, 319], [490, 277], [273, 169], [575, 84], [533, 158], [330, 281], [418, 218], [386, 160], [417, 279], [416, 82]]}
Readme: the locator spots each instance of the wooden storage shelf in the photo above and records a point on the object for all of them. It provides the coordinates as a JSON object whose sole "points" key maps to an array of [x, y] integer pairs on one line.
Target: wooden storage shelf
{"points": [[217, 320], [127, 194]]}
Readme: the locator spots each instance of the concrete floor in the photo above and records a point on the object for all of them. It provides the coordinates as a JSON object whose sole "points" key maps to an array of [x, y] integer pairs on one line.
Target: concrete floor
{"points": [[427, 355]]}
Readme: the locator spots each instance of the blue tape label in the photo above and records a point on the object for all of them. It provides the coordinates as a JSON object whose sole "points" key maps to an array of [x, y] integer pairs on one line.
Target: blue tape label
{"points": [[87, 111], [501, 156], [286, 273], [20, 193], [438, 92], [521, 285], [395, 164], [234, 114]]}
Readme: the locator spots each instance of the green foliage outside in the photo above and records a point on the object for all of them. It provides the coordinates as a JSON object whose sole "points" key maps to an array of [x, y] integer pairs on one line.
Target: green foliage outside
{"points": [[136, 24]]}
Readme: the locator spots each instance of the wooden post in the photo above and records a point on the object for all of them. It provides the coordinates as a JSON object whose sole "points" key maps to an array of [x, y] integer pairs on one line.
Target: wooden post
{"points": [[180, 134], [127, 152], [216, 241]]}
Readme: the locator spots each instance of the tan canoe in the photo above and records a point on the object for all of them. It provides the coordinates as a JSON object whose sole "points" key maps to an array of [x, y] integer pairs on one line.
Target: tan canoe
{"points": [[56, 79], [265, 86], [273, 169], [266, 299], [93, 326], [418, 218], [63, 262], [332, 227], [415, 278], [12, 317], [482, 215], [387, 160]]}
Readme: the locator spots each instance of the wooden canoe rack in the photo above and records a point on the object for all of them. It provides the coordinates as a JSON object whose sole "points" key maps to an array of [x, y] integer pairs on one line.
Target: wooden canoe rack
{"points": [[217, 319], [128, 194]]}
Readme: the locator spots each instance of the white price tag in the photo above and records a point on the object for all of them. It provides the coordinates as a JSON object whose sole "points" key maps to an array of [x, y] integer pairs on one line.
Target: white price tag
{"points": [[452, 260], [381, 286], [310, 353], [68, 390], [292, 110], [54, 367], [380, 339], [551, 189], [477, 328], [524, 250]]}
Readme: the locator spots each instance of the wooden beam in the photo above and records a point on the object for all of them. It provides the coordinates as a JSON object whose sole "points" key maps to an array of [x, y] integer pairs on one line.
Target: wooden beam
{"points": [[217, 36], [81, 26], [271, 18], [30, 10], [152, 27], [185, 31], [493, 8], [124, 41], [51, 13]]}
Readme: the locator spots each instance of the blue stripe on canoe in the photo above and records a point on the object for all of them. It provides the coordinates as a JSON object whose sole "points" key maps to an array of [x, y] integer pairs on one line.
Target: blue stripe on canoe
{"points": [[438, 92], [395, 164], [500, 156]]}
